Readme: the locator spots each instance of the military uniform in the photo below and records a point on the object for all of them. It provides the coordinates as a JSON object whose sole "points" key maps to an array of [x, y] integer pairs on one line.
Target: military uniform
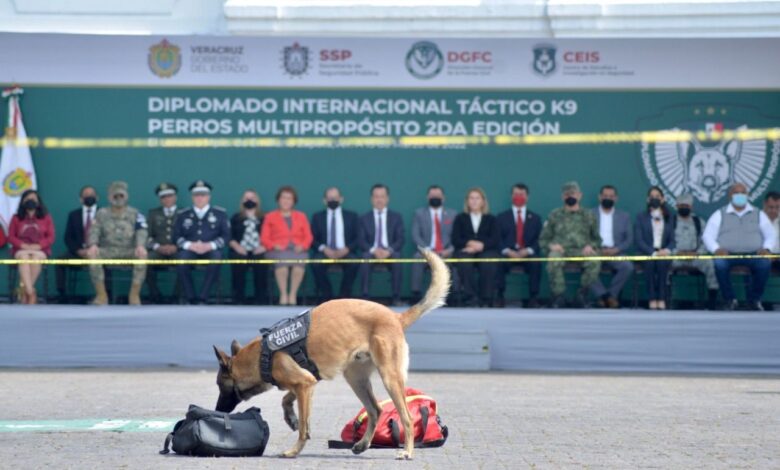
{"points": [[161, 221], [117, 232], [212, 227], [573, 230]]}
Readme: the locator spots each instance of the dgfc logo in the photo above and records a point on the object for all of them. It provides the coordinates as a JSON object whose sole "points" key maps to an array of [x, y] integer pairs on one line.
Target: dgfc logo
{"points": [[424, 60]]}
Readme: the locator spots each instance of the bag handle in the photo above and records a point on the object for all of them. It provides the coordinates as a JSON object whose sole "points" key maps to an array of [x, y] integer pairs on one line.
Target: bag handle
{"points": [[167, 444], [424, 419], [228, 425], [395, 433]]}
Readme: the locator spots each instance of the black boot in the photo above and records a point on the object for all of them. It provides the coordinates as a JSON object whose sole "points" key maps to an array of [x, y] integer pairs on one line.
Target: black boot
{"points": [[582, 298], [712, 299]]}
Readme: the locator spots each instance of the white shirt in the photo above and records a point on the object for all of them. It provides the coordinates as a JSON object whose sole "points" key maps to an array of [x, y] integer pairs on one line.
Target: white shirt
{"points": [[521, 211], [383, 215], [339, 229], [475, 220], [776, 238], [435, 213], [169, 211], [88, 210], [605, 228], [711, 231], [657, 220]]}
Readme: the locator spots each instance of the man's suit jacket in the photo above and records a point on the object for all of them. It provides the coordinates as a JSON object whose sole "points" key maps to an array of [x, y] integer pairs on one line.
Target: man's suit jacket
{"points": [[319, 228], [394, 227], [622, 233], [532, 228], [488, 232], [422, 227], [74, 231], [644, 233]]}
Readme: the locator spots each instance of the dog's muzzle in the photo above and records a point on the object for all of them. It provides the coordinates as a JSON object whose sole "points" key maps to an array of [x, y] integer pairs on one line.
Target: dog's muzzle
{"points": [[228, 403]]}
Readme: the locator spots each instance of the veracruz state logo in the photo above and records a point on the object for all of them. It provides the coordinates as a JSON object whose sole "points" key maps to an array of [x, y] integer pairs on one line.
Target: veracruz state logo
{"points": [[164, 59], [295, 60], [16, 182], [707, 168], [544, 59], [424, 60]]}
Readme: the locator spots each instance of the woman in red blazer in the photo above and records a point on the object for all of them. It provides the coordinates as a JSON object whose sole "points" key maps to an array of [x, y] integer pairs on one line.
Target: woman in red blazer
{"points": [[31, 235], [286, 235]]}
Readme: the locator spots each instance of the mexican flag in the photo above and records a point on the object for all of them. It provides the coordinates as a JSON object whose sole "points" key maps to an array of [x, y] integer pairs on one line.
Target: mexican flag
{"points": [[17, 174]]}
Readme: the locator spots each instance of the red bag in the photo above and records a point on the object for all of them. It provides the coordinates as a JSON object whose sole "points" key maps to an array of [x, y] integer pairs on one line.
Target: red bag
{"points": [[428, 430]]}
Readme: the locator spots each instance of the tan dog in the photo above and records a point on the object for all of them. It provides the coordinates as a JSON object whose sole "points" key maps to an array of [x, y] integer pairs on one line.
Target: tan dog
{"points": [[350, 337]]}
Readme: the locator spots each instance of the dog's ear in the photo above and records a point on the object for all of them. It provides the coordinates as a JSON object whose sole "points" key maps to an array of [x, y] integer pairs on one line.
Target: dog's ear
{"points": [[224, 360], [235, 347]]}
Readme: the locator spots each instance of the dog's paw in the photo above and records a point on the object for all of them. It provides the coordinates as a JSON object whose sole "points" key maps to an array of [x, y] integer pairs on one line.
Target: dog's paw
{"points": [[403, 455], [359, 447], [291, 421], [289, 454]]}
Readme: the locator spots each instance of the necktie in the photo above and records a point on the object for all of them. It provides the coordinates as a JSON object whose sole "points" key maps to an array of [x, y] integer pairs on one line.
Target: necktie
{"points": [[87, 226], [378, 238], [520, 227], [332, 231], [438, 245]]}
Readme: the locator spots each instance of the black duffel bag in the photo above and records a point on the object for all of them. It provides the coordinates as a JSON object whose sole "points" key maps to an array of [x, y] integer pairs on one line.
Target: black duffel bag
{"points": [[208, 433]]}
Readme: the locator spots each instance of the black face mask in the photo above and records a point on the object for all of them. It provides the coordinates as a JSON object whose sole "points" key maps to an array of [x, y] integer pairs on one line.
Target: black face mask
{"points": [[333, 205], [90, 201], [684, 211], [30, 205], [250, 204], [570, 201], [607, 203], [654, 203], [435, 202]]}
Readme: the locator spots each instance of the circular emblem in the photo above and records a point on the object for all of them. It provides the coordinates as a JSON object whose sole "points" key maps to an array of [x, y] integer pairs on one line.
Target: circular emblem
{"points": [[17, 182], [164, 59], [706, 166], [424, 60]]}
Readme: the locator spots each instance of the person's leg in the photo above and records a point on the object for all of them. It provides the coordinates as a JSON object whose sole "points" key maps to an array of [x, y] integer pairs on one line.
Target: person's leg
{"points": [[97, 276], [651, 280], [623, 271], [723, 274], [534, 271], [296, 277], [590, 273], [185, 274], [35, 272], [365, 276], [487, 278], [466, 273], [321, 281], [61, 279], [706, 267], [662, 277], [349, 272], [417, 276], [260, 279], [238, 280], [212, 275], [281, 273], [139, 275], [502, 270], [555, 275], [759, 272]]}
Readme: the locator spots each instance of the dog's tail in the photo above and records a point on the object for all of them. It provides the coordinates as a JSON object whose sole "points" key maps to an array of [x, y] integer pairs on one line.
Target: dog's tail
{"points": [[437, 292]]}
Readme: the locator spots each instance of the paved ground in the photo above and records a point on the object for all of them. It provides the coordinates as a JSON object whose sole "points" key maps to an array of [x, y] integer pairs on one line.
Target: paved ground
{"points": [[496, 421]]}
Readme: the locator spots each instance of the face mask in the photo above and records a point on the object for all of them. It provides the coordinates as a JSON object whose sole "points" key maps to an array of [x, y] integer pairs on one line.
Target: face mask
{"points": [[333, 205], [684, 211], [571, 201], [90, 201], [435, 202], [518, 201], [739, 199], [607, 203], [654, 203], [250, 204], [30, 205]]}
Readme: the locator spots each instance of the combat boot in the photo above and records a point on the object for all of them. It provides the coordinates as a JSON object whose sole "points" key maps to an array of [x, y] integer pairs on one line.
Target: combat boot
{"points": [[101, 297], [134, 297]]}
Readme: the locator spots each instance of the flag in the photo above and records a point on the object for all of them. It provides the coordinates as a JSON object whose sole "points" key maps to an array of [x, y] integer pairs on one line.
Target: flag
{"points": [[711, 127], [17, 174]]}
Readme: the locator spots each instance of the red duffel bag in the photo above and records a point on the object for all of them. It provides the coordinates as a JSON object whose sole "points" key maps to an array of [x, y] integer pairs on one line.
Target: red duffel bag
{"points": [[428, 429]]}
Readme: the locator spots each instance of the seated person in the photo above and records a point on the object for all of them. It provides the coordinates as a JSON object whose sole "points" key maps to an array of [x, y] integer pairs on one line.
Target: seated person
{"points": [[160, 244], [432, 228], [245, 244], [31, 235], [655, 237], [76, 234]]}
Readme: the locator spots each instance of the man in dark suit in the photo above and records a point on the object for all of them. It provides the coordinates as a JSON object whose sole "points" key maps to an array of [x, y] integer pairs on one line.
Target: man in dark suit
{"points": [[381, 236], [335, 232], [432, 228], [76, 232], [520, 230], [617, 237], [160, 244], [200, 232]]}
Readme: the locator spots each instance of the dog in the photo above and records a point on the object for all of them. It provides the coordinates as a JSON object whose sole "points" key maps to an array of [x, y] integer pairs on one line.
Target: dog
{"points": [[350, 337]]}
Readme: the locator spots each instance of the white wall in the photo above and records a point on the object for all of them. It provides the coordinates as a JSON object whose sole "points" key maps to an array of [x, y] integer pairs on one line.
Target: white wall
{"points": [[483, 18]]}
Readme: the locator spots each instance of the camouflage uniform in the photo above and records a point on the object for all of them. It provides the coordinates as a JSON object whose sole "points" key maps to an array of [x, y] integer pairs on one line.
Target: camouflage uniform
{"points": [[117, 234], [573, 230]]}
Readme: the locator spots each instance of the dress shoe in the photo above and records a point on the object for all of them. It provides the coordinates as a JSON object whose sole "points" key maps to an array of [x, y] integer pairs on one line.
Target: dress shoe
{"points": [[613, 302], [558, 302], [534, 303], [730, 305]]}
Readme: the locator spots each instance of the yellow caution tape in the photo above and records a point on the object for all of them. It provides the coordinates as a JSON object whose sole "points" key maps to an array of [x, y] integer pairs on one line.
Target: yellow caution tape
{"points": [[566, 259], [67, 143]]}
